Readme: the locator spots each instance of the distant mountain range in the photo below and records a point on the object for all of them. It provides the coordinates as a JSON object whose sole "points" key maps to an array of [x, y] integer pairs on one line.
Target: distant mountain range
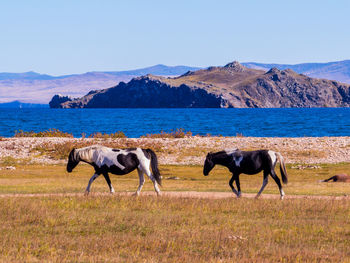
{"points": [[339, 70], [233, 85], [32, 87]]}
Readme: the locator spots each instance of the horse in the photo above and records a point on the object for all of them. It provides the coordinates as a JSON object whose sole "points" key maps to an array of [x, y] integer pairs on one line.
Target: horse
{"points": [[117, 161], [248, 162], [338, 178]]}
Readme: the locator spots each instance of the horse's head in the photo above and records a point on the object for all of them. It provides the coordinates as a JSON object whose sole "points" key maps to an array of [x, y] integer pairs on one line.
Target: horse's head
{"points": [[208, 164], [73, 160]]}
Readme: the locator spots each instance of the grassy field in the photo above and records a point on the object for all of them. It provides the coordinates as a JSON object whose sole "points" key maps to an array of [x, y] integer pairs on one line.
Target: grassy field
{"points": [[54, 179], [151, 229]]}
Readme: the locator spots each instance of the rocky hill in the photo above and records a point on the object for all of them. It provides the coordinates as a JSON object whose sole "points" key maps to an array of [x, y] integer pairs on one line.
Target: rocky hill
{"points": [[230, 86]]}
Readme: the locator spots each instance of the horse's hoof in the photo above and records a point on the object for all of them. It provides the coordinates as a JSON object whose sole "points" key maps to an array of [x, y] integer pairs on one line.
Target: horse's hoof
{"points": [[257, 196], [135, 194], [159, 194], [282, 197], [86, 193]]}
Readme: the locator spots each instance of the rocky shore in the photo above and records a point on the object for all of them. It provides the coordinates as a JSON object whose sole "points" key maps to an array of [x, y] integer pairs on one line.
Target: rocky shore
{"points": [[186, 151]]}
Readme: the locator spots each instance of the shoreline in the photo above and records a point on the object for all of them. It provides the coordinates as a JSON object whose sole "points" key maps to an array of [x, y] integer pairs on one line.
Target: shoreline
{"points": [[183, 151]]}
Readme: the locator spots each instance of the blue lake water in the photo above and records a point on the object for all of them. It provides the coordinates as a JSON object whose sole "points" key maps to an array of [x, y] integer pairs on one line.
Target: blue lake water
{"points": [[289, 122]]}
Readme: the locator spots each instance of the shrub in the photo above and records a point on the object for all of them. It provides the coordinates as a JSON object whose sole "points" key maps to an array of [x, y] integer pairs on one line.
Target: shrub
{"points": [[178, 133], [48, 133], [118, 134]]}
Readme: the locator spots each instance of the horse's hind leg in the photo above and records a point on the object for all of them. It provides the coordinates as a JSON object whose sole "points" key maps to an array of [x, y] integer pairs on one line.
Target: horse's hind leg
{"points": [[265, 181], [146, 170], [142, 181], [108, 180], [232, 187], [278, 182], [87, 191]]}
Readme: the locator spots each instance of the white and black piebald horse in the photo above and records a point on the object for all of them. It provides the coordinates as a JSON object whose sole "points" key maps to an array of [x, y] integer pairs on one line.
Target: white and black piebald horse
{"points": [[248, 162], [117, 161]]}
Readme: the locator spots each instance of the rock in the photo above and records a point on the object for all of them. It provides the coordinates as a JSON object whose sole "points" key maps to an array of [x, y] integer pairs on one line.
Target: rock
{"points": [[302, 167], [235, 66], [172, 178], [57, 100]]}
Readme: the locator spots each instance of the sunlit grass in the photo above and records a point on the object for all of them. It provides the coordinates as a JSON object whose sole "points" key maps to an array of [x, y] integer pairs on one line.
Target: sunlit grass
{"points": [[55, 179], [116, 228], [150, 229]]}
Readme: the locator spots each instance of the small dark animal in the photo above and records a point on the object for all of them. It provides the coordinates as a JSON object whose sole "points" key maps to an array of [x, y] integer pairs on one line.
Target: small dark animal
{"points": [[248, 162], [338, 178], [117, 161]]}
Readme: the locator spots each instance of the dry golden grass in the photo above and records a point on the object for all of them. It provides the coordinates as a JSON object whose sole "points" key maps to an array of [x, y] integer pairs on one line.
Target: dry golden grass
{"points": [[149, 229]]}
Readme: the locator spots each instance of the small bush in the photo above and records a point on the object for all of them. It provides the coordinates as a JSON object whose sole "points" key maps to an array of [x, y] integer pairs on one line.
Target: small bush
{"points": [[178, 133], [8, 161], [48, 133], [118, 134]]}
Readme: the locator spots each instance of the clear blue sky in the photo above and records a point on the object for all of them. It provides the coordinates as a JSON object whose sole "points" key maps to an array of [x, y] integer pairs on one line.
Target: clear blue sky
{"points": [[75, 36]]}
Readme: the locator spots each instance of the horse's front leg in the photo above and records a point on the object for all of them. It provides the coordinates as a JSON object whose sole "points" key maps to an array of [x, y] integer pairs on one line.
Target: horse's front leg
{"points": [[238, 185], [232, 187], [87, 191], [108, 180]]}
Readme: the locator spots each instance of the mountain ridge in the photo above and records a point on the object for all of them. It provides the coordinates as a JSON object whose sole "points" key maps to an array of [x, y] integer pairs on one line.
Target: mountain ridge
{"points": [[233, 85], [32, 87], [337, 70], [159, 69]]}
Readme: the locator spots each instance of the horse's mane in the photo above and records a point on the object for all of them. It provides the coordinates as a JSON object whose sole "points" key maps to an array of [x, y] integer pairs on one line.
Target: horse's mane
{"points": [[86, 153], [225, 152]]}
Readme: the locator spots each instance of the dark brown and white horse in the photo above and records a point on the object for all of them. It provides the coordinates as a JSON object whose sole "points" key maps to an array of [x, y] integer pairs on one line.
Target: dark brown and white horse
{"points": [[248, 162], [117, 161]]}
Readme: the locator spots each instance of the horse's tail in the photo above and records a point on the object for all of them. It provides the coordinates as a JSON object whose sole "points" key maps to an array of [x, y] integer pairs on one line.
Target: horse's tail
{"points": [[282, 168], [154, 165]]}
